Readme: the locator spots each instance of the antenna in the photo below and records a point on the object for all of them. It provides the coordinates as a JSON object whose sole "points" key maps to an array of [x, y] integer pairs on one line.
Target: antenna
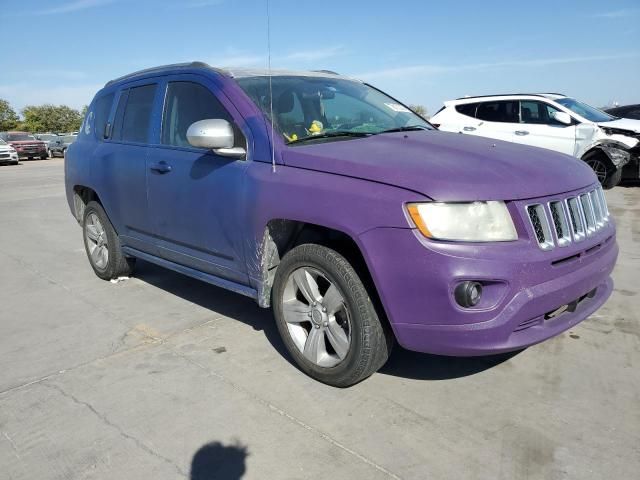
{"points": [[273, 152]]}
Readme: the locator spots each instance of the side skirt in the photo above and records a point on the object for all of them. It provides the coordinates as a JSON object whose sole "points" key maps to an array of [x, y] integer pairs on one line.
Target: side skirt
{"points": [[190, 272]]}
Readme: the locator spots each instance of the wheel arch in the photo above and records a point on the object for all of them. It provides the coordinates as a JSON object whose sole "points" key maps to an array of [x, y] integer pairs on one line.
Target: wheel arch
{"points": [[282, 235], [82, 195]]}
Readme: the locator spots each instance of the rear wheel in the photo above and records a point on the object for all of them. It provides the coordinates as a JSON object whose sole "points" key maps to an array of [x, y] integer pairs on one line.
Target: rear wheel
{"points": [[102, 245], [326, 318]]}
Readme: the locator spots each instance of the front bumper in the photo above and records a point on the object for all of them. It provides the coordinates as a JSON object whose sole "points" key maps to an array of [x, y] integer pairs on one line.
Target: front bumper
{"points": [[32, 153], [416, 279]]}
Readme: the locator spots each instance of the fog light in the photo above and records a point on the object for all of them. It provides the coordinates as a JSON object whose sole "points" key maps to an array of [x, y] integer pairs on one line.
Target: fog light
{"points": [[468, 294]]}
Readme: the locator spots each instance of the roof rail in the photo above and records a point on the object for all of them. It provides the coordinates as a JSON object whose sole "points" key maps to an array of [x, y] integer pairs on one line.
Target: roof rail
{"points": [[330, 72], [159, 69], [510, 95]]}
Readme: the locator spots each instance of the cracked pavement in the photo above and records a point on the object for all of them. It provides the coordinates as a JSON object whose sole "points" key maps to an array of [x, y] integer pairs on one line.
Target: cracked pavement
{"points": [[161, 376]]}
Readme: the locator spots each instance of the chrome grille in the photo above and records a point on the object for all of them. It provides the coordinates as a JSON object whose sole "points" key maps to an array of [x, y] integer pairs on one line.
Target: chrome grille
{"points": [[568, 220]]}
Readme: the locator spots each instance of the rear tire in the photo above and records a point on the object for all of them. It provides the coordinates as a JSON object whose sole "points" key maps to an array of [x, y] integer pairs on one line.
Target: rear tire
{"points": [[102, 245], [336, 337]]}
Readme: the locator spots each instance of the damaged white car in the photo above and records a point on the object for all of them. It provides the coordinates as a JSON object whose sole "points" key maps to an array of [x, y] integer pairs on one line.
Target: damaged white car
{"points": [[610, 145]]}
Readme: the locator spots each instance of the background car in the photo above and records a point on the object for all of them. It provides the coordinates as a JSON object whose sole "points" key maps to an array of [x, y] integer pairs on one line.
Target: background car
{"points": [[47, 138], [610, 145], [8, 154], [25, 144], [626, 111], [59, 145]]}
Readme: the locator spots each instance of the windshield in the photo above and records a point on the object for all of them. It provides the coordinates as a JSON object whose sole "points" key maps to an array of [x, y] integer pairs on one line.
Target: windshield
{"points": [[2, 142], [19, 137], [586, 111], [325, 107], [69, 139], [47, 137]]}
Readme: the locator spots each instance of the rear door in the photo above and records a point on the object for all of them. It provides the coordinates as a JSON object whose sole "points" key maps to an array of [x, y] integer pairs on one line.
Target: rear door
{"points": [[195, 196], [120, 169], [538, 128], [494, 119]]}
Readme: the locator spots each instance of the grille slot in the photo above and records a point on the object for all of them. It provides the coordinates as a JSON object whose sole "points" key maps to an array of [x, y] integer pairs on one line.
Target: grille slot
{"points": [[560, 223], [568, 220], [589, 217], [540, 224]]}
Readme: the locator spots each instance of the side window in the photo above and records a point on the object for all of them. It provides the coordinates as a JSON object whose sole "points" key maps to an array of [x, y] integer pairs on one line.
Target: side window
{"points": [[186, 103], [101, 113], [539, 113], [116, 133], [503, 111], [137, 114], [468, 109]]}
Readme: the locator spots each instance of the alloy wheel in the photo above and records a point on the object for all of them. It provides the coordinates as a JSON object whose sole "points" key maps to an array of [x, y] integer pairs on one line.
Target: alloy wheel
{"points": [[317, 317], [599, 168], [96, 239]]}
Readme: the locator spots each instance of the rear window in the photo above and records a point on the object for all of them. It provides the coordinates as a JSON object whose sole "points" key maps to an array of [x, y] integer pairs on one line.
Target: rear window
{"points": [[101, 112], [503, 111], [468, 109], [133, 116]]}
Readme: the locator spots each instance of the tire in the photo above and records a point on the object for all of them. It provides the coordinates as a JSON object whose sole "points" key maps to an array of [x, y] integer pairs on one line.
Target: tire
{"points": [[49, 153], [102, 245], [608, 175], [354, 318]]}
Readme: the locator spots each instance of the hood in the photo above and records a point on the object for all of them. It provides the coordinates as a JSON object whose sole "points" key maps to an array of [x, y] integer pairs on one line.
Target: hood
{"points": [[447, 166], [623, 123]]}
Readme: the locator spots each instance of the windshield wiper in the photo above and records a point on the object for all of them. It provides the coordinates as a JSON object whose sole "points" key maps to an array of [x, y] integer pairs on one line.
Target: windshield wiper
{"points": [[330, 135], [410, 128]]}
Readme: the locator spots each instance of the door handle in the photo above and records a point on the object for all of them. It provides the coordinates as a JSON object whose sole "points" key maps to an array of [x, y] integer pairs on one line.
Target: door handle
{"points": [[160, 167], [469, 129], [521, 133]]}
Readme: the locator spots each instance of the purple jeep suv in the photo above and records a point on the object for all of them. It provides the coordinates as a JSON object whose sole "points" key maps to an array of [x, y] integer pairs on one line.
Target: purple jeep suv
{"points": [[357, 221]]}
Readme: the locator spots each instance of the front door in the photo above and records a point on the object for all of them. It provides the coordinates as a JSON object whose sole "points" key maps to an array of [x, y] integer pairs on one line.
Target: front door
{"points": [[494, 119], [539, 129], [195, 196]]}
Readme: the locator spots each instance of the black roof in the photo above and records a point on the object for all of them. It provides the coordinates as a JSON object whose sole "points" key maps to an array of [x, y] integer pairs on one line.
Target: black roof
{"points": [[511, 95]]}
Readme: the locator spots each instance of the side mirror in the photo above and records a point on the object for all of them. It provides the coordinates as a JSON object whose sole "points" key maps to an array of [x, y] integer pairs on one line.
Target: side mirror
{"points": [[214, 134], [562, 117]]}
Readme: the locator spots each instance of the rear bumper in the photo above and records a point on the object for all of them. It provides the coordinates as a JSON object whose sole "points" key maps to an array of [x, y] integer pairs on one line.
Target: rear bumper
{"points": [[523, 286]]}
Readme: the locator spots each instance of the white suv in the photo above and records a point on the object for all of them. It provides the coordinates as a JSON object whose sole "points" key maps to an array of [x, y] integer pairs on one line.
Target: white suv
{"points": [[552, 121], [8, 154]]}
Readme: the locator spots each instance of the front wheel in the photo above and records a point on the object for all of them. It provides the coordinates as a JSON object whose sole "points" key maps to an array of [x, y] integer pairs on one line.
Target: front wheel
{"points": [[326, 317], [608, 175], [102, 245]]}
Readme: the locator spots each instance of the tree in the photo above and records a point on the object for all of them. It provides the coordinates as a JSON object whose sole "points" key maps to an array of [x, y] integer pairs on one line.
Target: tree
{"points": [[8, 117], [419, 109], [51, 118]]}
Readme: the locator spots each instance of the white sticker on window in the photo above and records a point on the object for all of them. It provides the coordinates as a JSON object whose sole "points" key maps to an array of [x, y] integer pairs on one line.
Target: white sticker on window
{"points": [[396, 107]]}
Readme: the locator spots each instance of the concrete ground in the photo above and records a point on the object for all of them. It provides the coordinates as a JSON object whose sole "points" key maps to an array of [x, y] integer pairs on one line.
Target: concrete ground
{"points": [[161, 376]]}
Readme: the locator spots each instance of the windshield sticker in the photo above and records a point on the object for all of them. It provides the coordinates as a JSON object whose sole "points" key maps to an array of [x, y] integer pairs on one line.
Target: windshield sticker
{"points": [[396, 107]]}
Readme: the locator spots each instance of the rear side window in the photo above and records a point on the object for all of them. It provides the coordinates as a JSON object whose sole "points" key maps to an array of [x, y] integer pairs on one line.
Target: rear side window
{"points": [[504, 111], [468, 109], [136, 117], [101, 111], [186, 103], [535, 112]]}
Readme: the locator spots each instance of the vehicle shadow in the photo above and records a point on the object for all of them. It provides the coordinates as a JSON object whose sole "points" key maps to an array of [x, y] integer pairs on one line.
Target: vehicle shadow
{"points": [[219, 300], [215, 461], [423, 366], [402, 363]]}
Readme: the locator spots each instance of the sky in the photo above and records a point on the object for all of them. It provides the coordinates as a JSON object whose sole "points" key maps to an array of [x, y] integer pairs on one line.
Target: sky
{"points": [[421, 52]]}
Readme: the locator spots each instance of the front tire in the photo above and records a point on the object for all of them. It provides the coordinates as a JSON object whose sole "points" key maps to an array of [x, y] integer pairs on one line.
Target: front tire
{"points": [[102, 245], [608, 175], [326, 317]]}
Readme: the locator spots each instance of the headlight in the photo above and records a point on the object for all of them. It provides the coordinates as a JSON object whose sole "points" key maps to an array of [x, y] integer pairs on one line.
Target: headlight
{"points": [[466, 222]]}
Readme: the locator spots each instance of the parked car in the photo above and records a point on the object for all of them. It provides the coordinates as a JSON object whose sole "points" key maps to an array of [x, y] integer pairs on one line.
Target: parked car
{"points": [[350, 215], [610, 145], [626, 111], [8, 154], [59, 145], [47, 138], [25, 144]]}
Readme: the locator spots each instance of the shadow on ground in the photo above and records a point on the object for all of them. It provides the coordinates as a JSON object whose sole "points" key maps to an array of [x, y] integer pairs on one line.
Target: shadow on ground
{"points": [[216, 461], [402, 363]]}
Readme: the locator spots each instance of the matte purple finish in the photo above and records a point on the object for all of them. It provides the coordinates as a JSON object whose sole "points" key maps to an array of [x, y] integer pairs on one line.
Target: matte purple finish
{"points": [[360, 187]]}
